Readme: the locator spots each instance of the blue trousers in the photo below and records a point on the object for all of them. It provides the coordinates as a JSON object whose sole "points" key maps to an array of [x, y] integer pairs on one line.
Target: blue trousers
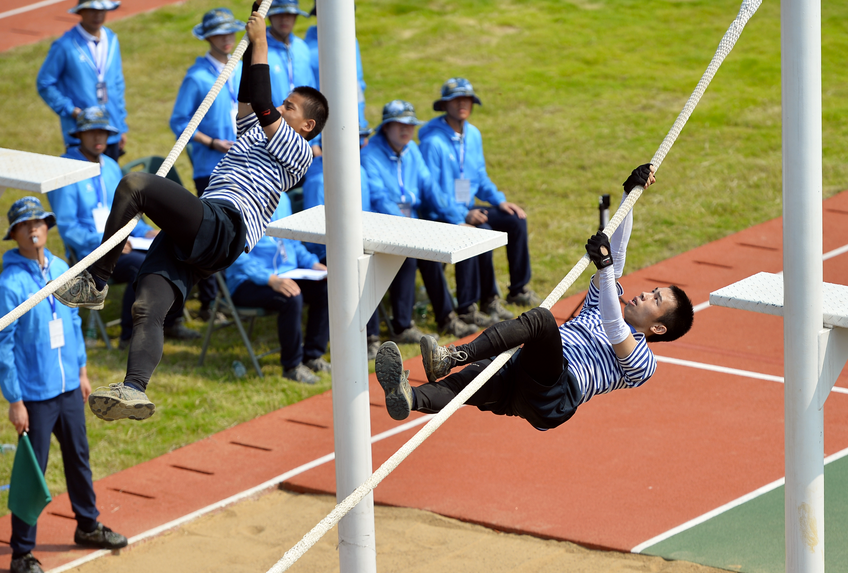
{"points": [[294, 347], [64, 417], [475, 277], [402, 292]]}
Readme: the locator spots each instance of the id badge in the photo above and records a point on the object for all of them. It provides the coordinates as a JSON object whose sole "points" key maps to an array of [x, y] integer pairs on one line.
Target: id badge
{"points": [[102, 93], [100, 214], [57, 334], [462, 190]]}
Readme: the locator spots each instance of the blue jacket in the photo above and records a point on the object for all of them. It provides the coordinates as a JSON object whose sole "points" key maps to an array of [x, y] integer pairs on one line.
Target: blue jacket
{"points": [[74, 203], [68, 79], [419, 188], [440, 146], [311, 39], [313, 195], [278, 61], [270, 256], [218, 121], [29, 369]]}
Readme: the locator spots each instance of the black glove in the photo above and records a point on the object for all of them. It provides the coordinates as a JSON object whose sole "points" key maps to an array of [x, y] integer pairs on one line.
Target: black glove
{"points": [[598, 248], [638, 177]]}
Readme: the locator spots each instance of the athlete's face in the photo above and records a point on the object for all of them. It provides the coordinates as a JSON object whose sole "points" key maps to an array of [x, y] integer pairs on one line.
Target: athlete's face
{"points": [[292, 112], [644, 310]]}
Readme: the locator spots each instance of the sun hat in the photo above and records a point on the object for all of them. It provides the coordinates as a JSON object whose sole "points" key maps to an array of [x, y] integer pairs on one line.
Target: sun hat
{"points": [[454, 88], [217, 22], [94, 5], [399, 111], [27, 209], [286, 7], [94, 117]]}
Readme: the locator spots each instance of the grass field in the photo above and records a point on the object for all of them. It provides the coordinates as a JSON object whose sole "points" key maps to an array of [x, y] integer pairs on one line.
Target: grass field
{"points": [[575, 95]]}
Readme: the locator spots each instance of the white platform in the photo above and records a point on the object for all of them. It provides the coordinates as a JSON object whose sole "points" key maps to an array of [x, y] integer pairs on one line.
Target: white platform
{"points": [[41, 173], [389, 234], [763, 293]]}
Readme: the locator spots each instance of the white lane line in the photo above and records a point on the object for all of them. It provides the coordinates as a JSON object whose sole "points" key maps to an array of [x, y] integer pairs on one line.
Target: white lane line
{"points": [[239, 496], [23, 9], [726, 507]]}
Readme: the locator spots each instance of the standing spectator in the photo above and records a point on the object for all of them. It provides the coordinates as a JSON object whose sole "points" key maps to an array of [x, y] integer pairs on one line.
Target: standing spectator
{"points": [[400, 185], [81, 211], [453, 150], [43, 376], [217, 130], [83, 69]]}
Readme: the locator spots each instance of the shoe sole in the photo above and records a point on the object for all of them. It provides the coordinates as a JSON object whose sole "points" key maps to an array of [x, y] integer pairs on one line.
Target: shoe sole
{"points": [[111, 409], [88, 305], [390, 373]]}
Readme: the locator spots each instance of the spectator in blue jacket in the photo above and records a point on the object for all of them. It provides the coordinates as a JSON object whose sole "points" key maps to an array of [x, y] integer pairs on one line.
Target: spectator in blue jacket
{"points": [[453, 150], [258, 279], [400, 185], [81, 211], [43, 376], [217, 130], [83, 69]]}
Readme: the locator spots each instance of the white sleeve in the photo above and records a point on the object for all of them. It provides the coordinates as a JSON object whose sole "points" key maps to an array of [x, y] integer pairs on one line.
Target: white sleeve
{"points": [[619, 240], [612, 320]]}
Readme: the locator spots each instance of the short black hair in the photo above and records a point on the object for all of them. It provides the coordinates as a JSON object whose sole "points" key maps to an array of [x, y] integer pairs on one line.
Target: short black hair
{"points": [[315, 107], [677, 321]]}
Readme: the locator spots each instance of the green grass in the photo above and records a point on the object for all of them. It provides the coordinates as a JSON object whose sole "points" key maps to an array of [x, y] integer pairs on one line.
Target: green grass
{"points": [[575, 95]]}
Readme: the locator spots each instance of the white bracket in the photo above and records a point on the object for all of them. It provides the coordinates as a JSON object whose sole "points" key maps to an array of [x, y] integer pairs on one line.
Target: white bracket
{"points": [[833, 353], [376, 272]]}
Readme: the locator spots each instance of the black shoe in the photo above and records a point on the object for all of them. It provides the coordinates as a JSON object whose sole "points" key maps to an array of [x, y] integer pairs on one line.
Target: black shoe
{"points": [[102, 538], [179, 331], [26, 564]]}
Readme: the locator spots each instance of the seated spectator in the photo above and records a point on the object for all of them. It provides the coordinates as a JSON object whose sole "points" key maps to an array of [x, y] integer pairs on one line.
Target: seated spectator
{"points": [[43, 376], [400, 184], [81, 211], [453, 151], [256, 279]]}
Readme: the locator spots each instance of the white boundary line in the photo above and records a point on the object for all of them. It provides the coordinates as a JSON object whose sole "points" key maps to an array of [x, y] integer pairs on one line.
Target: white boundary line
{"points": [[23, 9], [726, 507], [238, 497]]}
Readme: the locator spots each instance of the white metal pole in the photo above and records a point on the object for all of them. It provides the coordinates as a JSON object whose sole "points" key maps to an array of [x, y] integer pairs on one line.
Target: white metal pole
{"points": [[351, 408], [802, 264]]}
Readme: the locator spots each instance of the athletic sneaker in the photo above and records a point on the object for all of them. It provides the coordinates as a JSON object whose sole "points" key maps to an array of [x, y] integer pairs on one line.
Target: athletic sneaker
{"points": [[496, 309], [26, 564], [102, 537], [300, 373], [119, 401], [474, 316], [81, 292], [439, 360], [410, 335], [395, 381], [456, 327], [525, 297], [318, 365]]}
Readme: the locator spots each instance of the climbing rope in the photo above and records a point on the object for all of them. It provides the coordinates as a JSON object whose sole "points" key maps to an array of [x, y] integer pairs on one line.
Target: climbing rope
{"points": [[749, 7]]}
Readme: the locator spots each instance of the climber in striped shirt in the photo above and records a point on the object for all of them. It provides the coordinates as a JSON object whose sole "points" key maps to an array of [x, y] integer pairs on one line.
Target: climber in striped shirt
{"points": [[201, 236], [558, 368]]}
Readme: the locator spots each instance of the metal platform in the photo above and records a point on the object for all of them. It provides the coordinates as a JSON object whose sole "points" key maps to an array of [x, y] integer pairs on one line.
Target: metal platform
{"points": [[41, 173]]}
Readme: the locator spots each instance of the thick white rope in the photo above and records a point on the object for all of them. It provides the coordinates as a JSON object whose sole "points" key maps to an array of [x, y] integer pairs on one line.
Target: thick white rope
{"points": [[120, 236], [749, 7]]}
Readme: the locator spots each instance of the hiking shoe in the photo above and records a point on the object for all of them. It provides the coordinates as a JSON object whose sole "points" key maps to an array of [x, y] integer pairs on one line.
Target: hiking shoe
{"points": [[497, 310], [300, 373], [474, 316], [395, 381], [102, 537], [119, 401], [455, 327], [81, 292], [439, 360], [179, 331], [26, 564], [373, 347], [318, 365], [409, 336], [525, 297]]}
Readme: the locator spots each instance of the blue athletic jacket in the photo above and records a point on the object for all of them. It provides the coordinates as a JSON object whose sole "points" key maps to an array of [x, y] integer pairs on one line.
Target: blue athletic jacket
{"points": [[218, 121], [68, 79], [311, 39], [29, 369], [313, 195], [74, 203], [278, 60], [270, 256], [441, 146]]}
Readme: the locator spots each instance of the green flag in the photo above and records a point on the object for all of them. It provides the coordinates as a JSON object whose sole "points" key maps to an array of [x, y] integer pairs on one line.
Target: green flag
{"points": [[28, 493]]}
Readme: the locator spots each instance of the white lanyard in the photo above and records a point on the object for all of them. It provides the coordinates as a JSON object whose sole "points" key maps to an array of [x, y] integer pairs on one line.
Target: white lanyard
{"points": [[281, 253], [400, 179], [46, 278], [216, 71], [462, 154], [97, 53], [290, 65]]}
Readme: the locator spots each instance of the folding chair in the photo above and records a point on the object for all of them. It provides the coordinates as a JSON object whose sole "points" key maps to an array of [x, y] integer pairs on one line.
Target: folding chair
{"points": [[239, 314]]}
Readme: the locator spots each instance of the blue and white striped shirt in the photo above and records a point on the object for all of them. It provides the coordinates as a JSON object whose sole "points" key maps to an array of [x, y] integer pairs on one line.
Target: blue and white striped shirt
{"points": [[591, 357], [256, 170]]}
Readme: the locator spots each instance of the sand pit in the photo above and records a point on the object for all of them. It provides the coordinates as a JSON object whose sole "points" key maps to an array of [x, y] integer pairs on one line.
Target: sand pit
{"points": [[252, 535]]}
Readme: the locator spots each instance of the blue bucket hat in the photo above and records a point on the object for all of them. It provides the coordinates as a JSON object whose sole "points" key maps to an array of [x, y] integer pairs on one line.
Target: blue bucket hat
{"points": [[400, 111], [454, 88], [94, 5], [94, 117], [286, 7], [216, 23], [27, 209]]}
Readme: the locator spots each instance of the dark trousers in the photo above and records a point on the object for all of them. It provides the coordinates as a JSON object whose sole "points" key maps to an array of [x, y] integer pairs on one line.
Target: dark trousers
{"points": [[207, 289], [475, 277], [294, 347], [402, 292], [126, 271], [113, 150], [64, 417]]}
